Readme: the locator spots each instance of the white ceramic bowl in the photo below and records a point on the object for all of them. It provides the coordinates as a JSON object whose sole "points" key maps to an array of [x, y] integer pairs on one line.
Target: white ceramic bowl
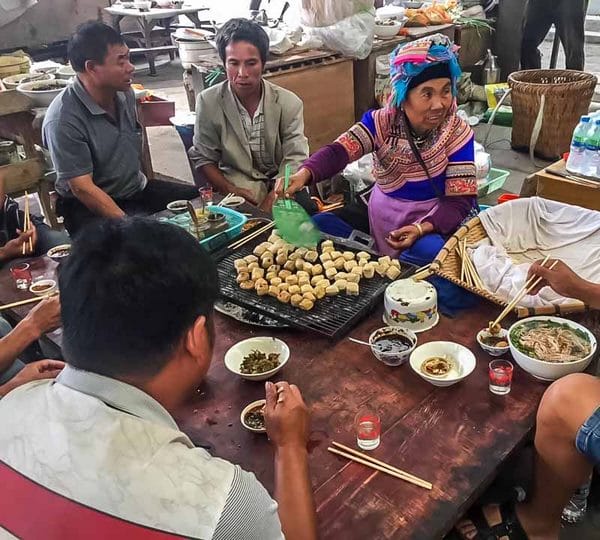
{"points": [[235, 356], [49, 284], [177, 207], [14, 81], [388, 31], [463, 357], [65, 72], [550, 371], [234, 201], [494, 351], [393, 359], [55, 252], [246, 410], [42, 98]]}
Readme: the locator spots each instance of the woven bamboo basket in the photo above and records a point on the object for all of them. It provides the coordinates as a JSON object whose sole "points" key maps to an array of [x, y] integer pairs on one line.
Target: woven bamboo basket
{"points": [[568, 94], [447, 264]]}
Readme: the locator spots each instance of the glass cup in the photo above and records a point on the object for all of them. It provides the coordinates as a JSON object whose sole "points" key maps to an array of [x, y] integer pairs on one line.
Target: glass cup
{"points": [[368, 429], [21, 273], [206, 193], [501, 372]]}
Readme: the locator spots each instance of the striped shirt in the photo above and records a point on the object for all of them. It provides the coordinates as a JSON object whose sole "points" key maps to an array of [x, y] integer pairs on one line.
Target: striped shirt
{"points": [[254, 128], [105, 446]]}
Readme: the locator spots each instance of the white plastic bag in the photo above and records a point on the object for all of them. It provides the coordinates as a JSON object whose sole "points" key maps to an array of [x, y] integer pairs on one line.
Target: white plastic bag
{"points": [[352, 36], [316, 13]]}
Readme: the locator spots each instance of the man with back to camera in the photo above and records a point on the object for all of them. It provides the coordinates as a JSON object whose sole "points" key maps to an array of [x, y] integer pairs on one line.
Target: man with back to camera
{"points": [[137, 310], [247, 128], [94, 138]]}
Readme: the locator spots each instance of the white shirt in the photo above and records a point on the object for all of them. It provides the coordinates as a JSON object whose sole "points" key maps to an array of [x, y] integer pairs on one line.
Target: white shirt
{"points": [[254, 128], [112, 447]]}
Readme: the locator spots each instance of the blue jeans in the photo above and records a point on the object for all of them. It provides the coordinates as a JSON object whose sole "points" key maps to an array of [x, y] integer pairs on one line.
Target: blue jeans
{"points": [[587, 440]]}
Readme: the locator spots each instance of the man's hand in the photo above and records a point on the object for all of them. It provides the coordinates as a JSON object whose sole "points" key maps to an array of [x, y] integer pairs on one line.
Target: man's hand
{"points": [[403, 238], [247, 194], [42, 369], [45, 316], [286, 416], [14, 248], [561, 278], [297, 183]]}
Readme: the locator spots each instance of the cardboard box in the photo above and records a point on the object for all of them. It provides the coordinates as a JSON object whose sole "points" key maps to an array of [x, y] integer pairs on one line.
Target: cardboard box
{"points": [[568, 191]]}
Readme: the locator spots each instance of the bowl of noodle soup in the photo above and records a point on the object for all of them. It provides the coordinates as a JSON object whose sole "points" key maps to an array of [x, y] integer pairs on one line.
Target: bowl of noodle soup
{"points": [[551, 347]]}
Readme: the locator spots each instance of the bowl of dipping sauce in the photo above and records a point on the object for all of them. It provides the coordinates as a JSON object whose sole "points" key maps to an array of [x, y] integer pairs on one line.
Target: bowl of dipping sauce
{"points": [[392, 345], [43, 287], [442, 363], [58, 253], [177, 207], [493, 344], [234, 201], [253, 417]]}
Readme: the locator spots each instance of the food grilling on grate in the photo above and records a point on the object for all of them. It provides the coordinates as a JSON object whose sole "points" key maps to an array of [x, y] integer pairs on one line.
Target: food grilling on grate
{"points": [[302, 277]]}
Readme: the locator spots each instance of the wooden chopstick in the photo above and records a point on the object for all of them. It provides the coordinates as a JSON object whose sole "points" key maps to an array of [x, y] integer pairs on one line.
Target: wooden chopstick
{"points": [[378, 462], [380, 466], [531, 284], [22, 302], [239, 243]]}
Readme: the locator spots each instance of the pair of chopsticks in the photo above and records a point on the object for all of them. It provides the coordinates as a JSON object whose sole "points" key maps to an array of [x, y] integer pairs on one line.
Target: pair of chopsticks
{"points": [[422, 273], [364, 459], [468, 272], [226, 199], [22, 302], [239, 243], [27, 225], [530, 284]]}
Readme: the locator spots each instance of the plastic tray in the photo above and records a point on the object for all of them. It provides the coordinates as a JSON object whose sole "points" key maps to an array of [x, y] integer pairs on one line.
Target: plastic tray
{"points": [[234, 219], [495, 180]]}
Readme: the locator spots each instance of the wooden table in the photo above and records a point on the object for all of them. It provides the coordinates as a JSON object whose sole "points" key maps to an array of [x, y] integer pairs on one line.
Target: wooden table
{"points": [[365, 70], [146, 21], [455, 437]]}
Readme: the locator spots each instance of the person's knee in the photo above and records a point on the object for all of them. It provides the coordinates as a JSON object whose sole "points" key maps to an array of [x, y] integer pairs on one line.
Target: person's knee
{"points": [[567, 404]]}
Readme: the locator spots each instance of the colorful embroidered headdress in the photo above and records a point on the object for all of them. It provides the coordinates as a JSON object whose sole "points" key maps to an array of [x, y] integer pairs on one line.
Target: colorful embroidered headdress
{"points": [[410, 62]]}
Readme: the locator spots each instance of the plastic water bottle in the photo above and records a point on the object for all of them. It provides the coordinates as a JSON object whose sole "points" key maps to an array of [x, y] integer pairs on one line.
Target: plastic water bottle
{"points": [[591, 157], [576, 155], [577, 506]]}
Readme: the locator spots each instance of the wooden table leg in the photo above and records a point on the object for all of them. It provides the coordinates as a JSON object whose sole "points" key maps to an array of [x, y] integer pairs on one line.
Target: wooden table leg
{"points": [[195, 19], [116, 22]]}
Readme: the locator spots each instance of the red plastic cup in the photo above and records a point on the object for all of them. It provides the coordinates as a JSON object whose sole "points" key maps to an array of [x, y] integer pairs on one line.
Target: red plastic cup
{"points": [[501, 372]]}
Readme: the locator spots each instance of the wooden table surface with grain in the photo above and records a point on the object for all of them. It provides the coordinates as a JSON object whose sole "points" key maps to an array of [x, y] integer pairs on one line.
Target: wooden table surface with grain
{"points": [[454, 437]]}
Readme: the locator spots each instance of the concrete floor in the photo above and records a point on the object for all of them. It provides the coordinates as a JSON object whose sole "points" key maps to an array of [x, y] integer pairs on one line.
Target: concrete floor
{"points": [[169, 159]]}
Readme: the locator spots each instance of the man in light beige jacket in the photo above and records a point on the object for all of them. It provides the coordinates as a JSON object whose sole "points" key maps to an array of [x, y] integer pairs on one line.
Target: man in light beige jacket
{"points": [[247, 129]]}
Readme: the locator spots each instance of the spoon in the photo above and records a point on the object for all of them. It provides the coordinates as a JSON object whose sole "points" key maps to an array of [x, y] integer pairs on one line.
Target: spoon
{"points": [[359, 341], [192, 213]]}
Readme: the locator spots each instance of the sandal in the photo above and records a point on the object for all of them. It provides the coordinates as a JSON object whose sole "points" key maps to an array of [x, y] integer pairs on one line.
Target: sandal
{"points": [[509, 528]]}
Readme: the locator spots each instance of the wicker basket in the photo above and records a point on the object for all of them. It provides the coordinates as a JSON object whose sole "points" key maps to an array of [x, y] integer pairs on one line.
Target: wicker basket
{"points": [[567, 94], [447, 264]]}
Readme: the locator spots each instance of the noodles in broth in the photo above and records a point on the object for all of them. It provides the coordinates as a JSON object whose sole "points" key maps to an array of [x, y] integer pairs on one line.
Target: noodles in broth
{"points": [[551, 342]]}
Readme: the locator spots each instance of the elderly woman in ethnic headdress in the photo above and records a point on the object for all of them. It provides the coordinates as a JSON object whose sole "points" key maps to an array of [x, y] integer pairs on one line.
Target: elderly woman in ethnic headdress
{"points": [[424, 170]]}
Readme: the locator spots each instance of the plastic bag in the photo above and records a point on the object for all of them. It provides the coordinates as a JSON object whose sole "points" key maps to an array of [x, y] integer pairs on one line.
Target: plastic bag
{"points": [[316, 13], [352, 36], [359, 174]]}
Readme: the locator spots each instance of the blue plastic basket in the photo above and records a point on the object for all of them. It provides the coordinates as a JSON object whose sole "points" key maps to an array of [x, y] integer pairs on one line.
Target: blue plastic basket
{"points": [[235, 222]]}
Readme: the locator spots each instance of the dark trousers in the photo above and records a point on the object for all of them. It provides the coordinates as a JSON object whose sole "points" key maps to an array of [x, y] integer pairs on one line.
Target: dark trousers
{"points": [[569, 18], [154, 198]]}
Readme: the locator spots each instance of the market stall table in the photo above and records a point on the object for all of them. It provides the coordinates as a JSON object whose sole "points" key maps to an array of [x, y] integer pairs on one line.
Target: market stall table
{"points": [[454, 437], [146, 21]]}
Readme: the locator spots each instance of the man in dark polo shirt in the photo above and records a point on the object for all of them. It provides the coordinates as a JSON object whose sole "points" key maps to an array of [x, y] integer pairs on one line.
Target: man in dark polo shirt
{"points": [[94, 139]]}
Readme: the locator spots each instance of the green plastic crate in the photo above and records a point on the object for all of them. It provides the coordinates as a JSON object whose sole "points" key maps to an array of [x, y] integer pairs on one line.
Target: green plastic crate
{"points": [[495, 180]]}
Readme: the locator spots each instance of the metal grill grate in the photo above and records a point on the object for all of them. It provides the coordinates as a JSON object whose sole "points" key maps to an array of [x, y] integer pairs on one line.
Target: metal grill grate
{"points": [[331, 316]]}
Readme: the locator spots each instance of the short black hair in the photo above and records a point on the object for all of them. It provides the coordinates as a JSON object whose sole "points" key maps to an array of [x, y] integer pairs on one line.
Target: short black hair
{"points": [[243, 30], [130, 291], [91, 41]]}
